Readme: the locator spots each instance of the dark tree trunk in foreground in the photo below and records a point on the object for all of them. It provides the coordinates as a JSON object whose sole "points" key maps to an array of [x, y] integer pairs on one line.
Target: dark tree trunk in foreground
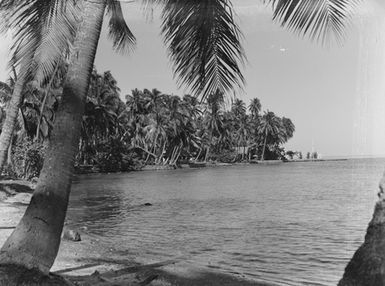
{"points": [[11, 275], [36, 239], [367, 267]]}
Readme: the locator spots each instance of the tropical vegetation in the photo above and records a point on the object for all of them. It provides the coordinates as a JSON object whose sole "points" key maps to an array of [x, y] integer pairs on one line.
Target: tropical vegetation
{"points": [[210, 62], [161, 129], [204, 46], [148, 128]]}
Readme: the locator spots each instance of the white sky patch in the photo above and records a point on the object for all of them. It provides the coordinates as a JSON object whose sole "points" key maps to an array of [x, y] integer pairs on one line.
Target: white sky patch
{"points": [[5, 43], [251, 8], [369, 132]]}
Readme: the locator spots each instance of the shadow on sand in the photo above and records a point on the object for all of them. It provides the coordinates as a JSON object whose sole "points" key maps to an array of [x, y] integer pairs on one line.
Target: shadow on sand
{"points": [[206, 279]]}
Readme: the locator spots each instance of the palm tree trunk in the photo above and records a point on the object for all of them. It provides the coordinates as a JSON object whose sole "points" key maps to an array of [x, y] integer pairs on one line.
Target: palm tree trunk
{"points": [[11, 115], [9, 156], [366, 268], [264, 147], [35, 241]]}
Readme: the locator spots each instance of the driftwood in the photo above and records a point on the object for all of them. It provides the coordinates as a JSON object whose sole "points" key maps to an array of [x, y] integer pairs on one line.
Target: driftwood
{"points": [[76, 268], [118, 277]]}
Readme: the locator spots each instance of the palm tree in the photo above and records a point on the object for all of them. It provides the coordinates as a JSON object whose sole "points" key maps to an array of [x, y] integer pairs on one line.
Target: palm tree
{"points": [[35, 241], [35, 23], [288, 128], [213, 119], [238, 108], [269, 126], [100, 120], [255, 107]]}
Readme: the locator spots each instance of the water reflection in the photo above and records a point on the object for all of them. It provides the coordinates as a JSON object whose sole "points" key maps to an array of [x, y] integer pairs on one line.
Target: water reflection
{"points": [[293, 224]]}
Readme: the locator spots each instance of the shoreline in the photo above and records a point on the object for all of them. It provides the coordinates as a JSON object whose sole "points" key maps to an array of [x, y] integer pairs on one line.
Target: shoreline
{"points": [[83, 258], [201, 165]]}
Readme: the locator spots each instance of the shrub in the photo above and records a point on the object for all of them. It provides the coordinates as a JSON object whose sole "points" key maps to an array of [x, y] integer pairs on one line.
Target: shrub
{"points": [[27, 158]]}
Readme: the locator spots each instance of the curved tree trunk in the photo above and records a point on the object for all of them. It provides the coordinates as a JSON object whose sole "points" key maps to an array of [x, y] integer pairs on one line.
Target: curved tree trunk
{"points": [[11, 116], [35, 241], [367, 266]]}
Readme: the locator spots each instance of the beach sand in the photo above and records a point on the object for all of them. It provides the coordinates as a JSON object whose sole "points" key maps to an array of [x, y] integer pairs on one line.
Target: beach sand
{"points": [[89, 252]]}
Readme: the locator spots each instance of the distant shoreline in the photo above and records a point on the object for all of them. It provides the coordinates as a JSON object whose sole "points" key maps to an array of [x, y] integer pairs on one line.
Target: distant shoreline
{"points": [[91, 170], [316, 160]]}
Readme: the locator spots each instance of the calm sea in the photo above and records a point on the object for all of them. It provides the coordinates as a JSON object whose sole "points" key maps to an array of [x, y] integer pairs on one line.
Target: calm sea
{"points": [[288, 224]]}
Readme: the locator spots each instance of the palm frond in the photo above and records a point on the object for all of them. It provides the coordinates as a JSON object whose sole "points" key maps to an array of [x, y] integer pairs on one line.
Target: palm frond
{"points": [[5, 88], [203, 44], [320, 19], [121, 35], [41, 31], [57, 35]]}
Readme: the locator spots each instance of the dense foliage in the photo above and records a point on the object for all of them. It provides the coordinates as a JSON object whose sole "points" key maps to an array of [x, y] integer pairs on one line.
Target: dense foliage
{"points": [[162, 129], [150, 127]]}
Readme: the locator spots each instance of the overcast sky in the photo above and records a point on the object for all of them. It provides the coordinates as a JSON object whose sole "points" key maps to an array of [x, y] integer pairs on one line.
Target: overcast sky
{"points": [[335, 96]]}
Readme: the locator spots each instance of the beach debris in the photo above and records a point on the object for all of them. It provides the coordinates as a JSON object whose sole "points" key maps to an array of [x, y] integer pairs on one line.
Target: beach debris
{"points": [[19, 198], [7, 227], [71, 235], [137, 275]]}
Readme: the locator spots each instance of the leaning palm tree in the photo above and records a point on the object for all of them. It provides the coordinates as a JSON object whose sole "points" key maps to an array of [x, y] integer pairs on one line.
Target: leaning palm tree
{"points": [[36, 239], [207, 62], [43, 25], [269, 126]]}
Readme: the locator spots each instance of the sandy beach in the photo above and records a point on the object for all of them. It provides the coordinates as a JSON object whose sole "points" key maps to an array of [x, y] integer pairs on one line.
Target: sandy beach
{"points": [[81, 258]]}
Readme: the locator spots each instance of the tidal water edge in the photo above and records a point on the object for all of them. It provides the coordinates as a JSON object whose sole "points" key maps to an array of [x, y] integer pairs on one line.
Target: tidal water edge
{"points": [[288, 224]]}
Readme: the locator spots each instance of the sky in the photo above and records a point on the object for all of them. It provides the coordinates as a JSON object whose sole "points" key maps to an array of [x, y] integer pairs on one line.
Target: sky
{"points": [[334, 95]]}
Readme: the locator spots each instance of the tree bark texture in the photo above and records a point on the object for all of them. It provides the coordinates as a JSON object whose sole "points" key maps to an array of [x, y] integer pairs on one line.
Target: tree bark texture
{"points": [[35, 241], [367, 267]]}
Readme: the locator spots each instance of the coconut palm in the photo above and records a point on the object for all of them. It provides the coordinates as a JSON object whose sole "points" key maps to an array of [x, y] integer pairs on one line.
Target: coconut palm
{"points": [[255, 107], [322, 20], [206, 26], [42, 33], [35, 241], [100, 120], [238, 108], [213, 119], [241, 128], [208, 60], [270, 125], [288, 128]]}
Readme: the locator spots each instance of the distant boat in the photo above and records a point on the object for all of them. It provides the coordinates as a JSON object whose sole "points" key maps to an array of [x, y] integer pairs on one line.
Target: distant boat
{"points": [[197, 164]]}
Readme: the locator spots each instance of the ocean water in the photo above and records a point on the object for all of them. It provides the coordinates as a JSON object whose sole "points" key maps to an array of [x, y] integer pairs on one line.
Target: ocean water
{"points": [[287, 224]]}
